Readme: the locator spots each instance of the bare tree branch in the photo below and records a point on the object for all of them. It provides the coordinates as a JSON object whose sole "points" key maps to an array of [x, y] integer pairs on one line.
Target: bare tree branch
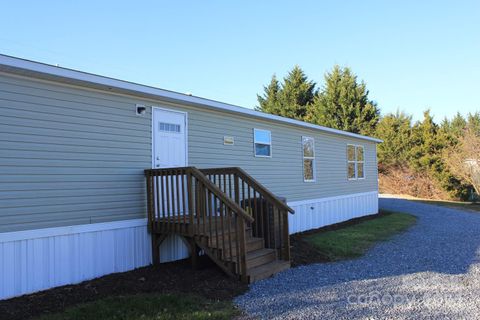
{"points": [[463, 159]]}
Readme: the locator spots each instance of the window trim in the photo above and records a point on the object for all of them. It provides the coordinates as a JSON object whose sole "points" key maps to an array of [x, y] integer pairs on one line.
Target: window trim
{"points": [[267, 144], [314, 166], [356, 162]]}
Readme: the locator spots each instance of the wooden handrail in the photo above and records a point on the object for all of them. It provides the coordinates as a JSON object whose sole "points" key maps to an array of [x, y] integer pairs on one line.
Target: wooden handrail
{"points": [[260, 188], [269, 212], [211, 186], [222, 196], [265, 191]]}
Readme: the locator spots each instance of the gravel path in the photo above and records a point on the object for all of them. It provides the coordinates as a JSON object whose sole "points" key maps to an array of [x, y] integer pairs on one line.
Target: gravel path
{"points": [[430, 272]]}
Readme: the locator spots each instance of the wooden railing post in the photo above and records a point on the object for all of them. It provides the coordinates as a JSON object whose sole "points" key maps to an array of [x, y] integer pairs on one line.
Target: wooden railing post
{"points": [[201, 196], [243, 253], [236, 186], [190, 204], [286, 237], [149, 201]]}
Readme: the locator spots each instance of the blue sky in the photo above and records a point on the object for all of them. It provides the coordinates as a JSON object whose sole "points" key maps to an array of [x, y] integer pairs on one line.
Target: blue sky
{"points": [[413, 55]]}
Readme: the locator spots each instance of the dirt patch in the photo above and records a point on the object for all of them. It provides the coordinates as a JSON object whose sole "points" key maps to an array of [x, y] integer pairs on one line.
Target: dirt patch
{"points": [[176, 277], [303, 252]]}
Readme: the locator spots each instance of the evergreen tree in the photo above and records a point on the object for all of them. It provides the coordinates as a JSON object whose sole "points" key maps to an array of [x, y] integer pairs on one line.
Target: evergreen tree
{"points": [[289, 99], [457, 125], [395, 130], [429, 140], [450, 130], [297, 93], [473, 122], [424, 153], [343, 104], [270, 101]]}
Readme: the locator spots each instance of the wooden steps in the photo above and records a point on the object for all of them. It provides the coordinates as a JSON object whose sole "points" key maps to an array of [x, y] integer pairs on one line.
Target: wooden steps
{"points": [[261, 262], [223, 212]]}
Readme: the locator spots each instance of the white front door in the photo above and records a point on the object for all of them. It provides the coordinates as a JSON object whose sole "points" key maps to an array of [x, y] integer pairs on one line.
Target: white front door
{"points": [[169, 149], [169, 138]]}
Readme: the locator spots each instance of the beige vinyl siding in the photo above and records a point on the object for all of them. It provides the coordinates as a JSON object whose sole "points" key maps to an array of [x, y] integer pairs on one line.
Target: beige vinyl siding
{"points": [[71, 155], [283, 172]]}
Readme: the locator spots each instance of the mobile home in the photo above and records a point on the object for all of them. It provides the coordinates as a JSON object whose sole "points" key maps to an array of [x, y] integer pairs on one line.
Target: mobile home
{"points": [[74, 193]]}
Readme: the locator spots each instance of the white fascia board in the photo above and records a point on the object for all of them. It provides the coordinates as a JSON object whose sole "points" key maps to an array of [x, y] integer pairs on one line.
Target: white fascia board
{"points": [[36, 67]]}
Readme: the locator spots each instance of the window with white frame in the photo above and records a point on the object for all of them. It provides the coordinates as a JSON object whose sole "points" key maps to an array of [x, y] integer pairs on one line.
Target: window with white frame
{"points": [[308, 148], [262, 143], [355, 162]]}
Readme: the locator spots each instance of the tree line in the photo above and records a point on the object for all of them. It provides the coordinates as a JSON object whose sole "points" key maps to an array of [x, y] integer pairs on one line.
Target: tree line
{"points": [[422, 158], [342, 103]]}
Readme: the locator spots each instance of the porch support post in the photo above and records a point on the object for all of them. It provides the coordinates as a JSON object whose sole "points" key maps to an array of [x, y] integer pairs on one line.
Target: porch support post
{"points": [[193, 252], [155, 249]]}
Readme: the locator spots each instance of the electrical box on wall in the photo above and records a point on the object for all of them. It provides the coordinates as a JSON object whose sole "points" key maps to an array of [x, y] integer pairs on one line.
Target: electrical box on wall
{"points": [[228, 140]]}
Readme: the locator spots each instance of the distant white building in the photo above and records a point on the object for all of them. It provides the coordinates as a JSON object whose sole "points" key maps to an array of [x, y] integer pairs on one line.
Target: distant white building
{"points": [[474, 165]]}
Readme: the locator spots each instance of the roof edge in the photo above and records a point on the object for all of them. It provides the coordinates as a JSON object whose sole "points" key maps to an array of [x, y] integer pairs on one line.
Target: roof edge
{"points": [[61, 72]]}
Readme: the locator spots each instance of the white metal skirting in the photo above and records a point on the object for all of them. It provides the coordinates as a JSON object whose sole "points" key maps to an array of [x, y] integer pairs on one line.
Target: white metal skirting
{"points": [[35, 260], [40, 259], [312, 214]]}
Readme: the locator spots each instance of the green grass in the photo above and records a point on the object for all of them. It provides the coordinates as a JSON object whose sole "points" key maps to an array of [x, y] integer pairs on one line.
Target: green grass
{"points": [[469, 206], [148, 307], [353, 241]]}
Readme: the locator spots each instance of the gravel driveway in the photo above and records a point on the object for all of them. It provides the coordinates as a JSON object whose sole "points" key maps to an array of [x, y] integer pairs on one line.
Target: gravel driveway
{"points": [[430, 272]]}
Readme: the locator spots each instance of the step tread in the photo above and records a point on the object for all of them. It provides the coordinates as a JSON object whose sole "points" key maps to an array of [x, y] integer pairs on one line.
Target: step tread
{"points": [[251, 254], [266, 270], [221, 232], [248, 240], [258, 253], [251, 245]]}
